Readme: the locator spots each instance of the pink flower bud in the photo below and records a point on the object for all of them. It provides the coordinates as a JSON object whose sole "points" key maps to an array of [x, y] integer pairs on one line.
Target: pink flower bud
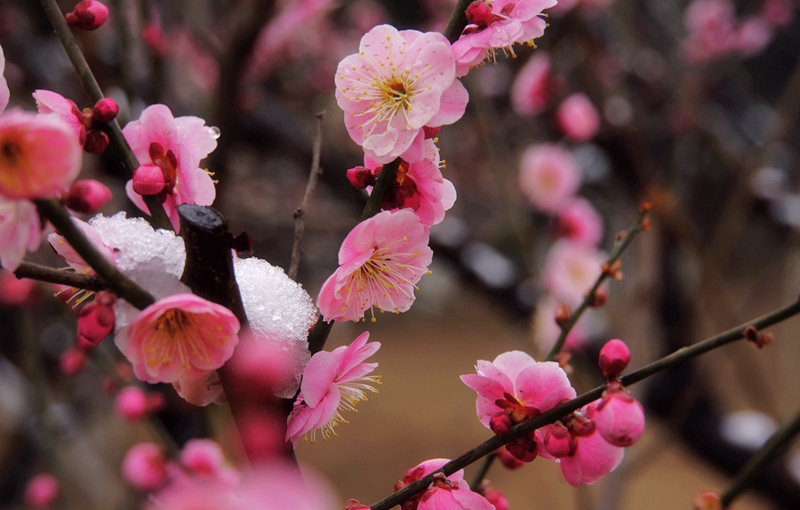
{"points": [[15, 291], [557, 441], [500, 423], [619, 417], [72, 361], [96, 320], [148, 180], [87, 15], [493, 496], [87, 196], [131, 403], [105, 110], [145, 466], [41, 491], [578, 118], [614, 357], [361, 177], [96, 141], [524, 448], [508, 460], [479, 13]]}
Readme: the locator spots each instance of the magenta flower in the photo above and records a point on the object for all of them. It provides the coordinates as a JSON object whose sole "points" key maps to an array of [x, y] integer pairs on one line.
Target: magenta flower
{"points": [[531, 90], [418, 186], [332, 382], [398, 83], [380, 262], [445, 493], [20, 231], [145, 466], [5, 94], [176, 146], [515, 387], [577, 117], [180, 335], [548, 176], [498, 24], [40, 156], [570, 270]]}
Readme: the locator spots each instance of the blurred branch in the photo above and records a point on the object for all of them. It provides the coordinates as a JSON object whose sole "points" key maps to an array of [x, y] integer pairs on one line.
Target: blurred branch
{"points": [[300, 213], [51, 275], [158, 215], [680, 356]]}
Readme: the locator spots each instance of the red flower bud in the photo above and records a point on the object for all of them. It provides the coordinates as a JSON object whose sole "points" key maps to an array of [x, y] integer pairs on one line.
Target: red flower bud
{"points": [[524, 448], [131, 403], [105, 110], [87, 196], [619, 417], [96, 320], [148, 180], [557, 441], [508, 460], [614, 357], [87, 15], [361, 177], [96, 141], [72, 361], [500, 424], [478, 13]]}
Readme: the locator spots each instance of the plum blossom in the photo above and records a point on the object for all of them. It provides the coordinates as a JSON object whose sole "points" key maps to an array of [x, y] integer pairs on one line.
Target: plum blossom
{"points": [[418, 186], [380, 261], [5, 93], [619, 417], [20, 231], [39, 156], [200, 390], [176, 146], [577, 117], [41, 491], [179, 335], [68, 254], [548, 176], [498, 24], [531, 90], [445, 493], [145, 466], [570, 270], [546, 331], [398, 83], [53, 103], [332, 382], [579, 221]]}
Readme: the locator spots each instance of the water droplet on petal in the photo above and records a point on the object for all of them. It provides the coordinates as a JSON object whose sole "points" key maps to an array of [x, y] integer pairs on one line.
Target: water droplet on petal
{"points": [[214, 131]]}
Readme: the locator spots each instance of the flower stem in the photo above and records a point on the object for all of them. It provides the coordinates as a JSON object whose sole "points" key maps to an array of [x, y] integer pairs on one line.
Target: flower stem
{"points": [[680, 356], [120, 284], [158, 216], [457, 21], [757, 462], [616, 253], [51, 275]]}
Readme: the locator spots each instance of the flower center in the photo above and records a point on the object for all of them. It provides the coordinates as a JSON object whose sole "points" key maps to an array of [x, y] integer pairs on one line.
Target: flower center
{"points": [[11, 152], [177, 336], [167, 162]]}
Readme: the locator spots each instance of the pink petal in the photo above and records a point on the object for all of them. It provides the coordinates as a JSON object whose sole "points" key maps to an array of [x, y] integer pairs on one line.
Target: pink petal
{"points": [[452, 105], [318, 376]]}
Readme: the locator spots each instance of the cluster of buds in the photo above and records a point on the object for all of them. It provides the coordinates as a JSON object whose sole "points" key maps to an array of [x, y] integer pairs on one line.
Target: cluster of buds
{"points": [[87, 15]]}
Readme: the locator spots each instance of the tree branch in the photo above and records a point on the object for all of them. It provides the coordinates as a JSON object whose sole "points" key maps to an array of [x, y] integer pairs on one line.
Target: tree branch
{"points": [[457, 21], [51, 275]]}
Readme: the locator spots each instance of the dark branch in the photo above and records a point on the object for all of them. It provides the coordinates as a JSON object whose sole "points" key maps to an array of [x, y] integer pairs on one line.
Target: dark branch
{"points": [[51, 275]]}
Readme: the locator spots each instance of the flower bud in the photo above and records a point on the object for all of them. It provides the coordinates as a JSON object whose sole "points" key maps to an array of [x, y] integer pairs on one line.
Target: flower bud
{"points": [[614, 357], [72, 361], [87, 15], [16, 292], [131, 403], [41, 491], [145, 466], [361, 177], [562, 315], [87, 196], [524, 448], [619, 417], [148, 180], [96, 320], [492, 495], [500, 424], [557, 441], [707, 500], [96, 141], [577, 118], [479, 13], [105, 110], [508, 460]]}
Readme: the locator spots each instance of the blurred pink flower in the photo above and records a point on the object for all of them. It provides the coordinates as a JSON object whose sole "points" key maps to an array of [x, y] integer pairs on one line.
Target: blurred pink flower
{"points": [[531, 90], [87, 196], [546, 331], [445, 493], [711, 25], [131, 403], [398, 83], [332, 382], [579, 221], [5, 94], [753, 35], [780, 13], [40, 156], [176, 146], [41, 491], [548, 176], [145, 466], [17, 292], [96, 320], [577, 117], [180, 335], [419, 186], [20, 231], [204, 459], [200, 390], [498, 24], [518, 387], [570, 270], [68, 254], [380, 262]]}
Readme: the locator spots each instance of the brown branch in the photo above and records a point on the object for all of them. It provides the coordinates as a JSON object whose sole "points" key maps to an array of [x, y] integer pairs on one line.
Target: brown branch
{"points": [[300, 213], [457, 21], [52, 275]]}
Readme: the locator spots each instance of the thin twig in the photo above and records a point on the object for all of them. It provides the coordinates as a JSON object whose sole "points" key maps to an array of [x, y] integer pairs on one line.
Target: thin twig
{"points": [[457, 21], [634, 229], [757, 462], [51, 275], [300, 213], [680, 356], [92, 88], [120, 284]]}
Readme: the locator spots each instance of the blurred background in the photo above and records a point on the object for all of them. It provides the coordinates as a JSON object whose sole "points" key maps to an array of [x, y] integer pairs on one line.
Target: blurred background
{"points": [[697, 104]]}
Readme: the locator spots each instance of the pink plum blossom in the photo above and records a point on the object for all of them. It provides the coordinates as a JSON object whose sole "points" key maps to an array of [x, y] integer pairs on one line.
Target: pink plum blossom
{"points": [[5, 94], [176, 146], [53, 103], [531, 90], [753, 35], [131, 403], [498, 24], [546, 331], [332, 382], [145, 466], [20, 231], [445, 493], [40, 156], [711, 26], [418, 186], [619, 417], [570, 270], [398, 83], [577, 117], [779, 13], [96, 320], [41, 491], [68, 254], [380, 262], [180, 335], [200, 390], [204, 459], [579, 221], [548, 176], [517, 387], [17, 292]]}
